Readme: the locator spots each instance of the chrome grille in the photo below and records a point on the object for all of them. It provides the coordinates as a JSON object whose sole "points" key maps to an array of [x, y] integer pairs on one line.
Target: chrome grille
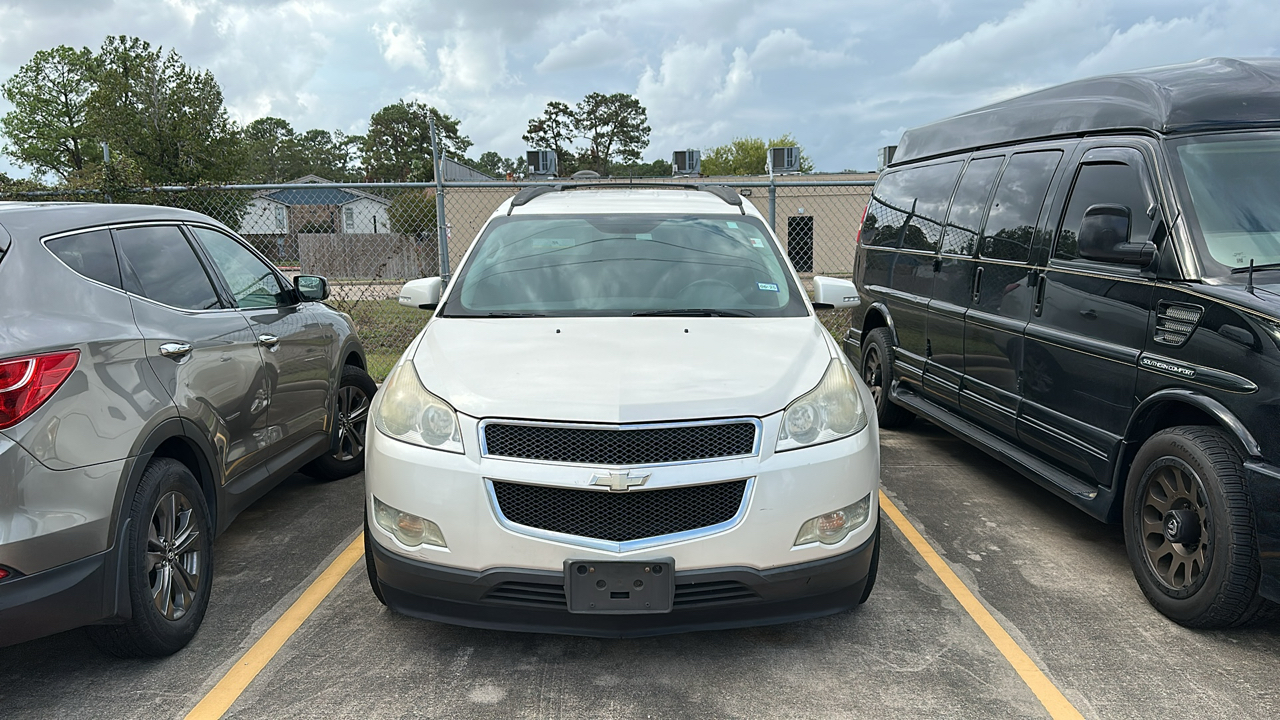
{"points": [[620, 445], [619, 516]]}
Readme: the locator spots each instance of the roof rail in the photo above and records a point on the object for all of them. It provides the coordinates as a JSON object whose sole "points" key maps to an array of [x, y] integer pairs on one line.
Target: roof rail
{"points": [[724, 192]]}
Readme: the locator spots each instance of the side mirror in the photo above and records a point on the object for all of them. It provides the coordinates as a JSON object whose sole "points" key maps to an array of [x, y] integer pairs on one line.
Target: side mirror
{"points": [[311, 287], [1104, 236], [421, 294], [833, 293]]}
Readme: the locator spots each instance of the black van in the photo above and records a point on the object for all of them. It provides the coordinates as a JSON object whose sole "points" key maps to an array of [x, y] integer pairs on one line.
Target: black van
{"points": [[1085, 283]]}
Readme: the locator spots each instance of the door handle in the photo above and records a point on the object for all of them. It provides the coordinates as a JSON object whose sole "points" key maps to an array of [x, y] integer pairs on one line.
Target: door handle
{"points": [[268, 340], [977, 285], [1089, 314], [175, 350]]}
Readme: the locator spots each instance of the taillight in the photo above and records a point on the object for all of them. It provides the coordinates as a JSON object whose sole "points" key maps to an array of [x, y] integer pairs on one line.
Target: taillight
{"points": [[27, 382], [857, 239]]}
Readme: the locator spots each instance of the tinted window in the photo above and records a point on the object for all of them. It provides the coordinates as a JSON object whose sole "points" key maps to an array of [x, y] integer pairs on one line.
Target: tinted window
{"points": [[159, 264], [253, 283], [1103, 183], [91, 254], [970, 203], [1015, 209], [917, 197]]}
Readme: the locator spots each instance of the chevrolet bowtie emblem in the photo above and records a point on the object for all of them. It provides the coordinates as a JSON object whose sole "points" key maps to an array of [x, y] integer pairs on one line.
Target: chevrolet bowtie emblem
{"points": [[620, 481]]}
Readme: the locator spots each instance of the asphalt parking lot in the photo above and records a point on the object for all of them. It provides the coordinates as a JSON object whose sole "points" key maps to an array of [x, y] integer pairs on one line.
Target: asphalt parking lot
{"points": [[1056, 581]]}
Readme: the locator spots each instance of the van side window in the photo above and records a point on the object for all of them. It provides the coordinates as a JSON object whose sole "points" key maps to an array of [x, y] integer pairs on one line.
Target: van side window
{"points": [[965, 218], [1015, 209], [915, 197], [1098, 183]]}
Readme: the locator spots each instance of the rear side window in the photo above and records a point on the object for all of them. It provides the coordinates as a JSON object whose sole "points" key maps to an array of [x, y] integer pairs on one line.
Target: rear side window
{"points": [[91, 254], [1015, 209], [965, 220], [1103, 183], [909, 205], [158, 263]]}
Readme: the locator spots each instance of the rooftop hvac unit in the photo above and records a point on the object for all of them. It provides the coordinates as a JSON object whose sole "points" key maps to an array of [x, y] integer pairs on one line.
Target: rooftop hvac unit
{"points": [[884, 156], [783, 160], [686, 162], [542, 162]]}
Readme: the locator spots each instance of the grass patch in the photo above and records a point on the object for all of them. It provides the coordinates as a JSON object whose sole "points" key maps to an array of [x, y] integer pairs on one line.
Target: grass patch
{"points": [[386, 328]]}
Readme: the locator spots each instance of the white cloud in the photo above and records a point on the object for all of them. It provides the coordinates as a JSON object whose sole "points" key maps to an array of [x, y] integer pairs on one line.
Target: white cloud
{"points": [[785, 48], [590, 49], [401, 46], [474, 62]]}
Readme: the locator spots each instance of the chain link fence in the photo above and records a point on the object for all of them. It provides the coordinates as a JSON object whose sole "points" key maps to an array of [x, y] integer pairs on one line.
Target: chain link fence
{"points": [[368, 239]]}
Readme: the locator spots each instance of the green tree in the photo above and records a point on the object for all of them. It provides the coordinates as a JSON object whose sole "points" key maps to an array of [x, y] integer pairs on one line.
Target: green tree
{"points": [[165, 115], [611, 128], [267, 143], [657, 168], [748, 156], [397, 147], [413, 213], [48, 129], [493, 164]]}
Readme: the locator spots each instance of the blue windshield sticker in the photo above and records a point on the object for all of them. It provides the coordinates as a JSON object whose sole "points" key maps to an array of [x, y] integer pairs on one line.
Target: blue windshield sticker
{"points": [[644, 236], [767, 286], [757, 242], [731, 224]]}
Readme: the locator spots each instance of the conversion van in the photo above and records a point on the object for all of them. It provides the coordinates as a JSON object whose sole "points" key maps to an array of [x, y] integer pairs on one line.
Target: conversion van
{"points": [[1085, 283]]}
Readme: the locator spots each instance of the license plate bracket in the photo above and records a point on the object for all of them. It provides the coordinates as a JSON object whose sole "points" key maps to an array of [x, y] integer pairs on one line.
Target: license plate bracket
{"points": [[618, 587]]}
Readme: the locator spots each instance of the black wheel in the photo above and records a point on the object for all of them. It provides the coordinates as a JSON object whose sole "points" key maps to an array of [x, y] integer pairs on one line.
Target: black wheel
{"points": [[872, 571], [169, 542], [368, 562], [1188, 528], [350, 420], [877, 371]]}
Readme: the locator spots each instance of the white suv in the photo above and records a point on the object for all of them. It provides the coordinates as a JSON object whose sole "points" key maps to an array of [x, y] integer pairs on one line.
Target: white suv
{"points": [[623, 419]]}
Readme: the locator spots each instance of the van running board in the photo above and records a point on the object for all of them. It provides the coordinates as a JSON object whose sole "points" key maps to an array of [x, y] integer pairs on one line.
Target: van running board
{"points": [[1080, 493]]}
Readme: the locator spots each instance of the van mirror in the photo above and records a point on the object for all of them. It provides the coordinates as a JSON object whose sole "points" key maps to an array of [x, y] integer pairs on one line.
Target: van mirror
{"points": [[422, 294], [834, 293], [1104, 236]]}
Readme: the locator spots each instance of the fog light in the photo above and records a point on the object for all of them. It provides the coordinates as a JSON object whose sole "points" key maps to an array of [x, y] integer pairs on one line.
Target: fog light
{"points": [[836, 525], [409, 529]]}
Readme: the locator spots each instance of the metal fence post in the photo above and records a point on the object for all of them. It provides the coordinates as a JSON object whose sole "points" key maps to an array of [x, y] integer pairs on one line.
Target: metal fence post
{"points": [[773, 204], [442, 228]]}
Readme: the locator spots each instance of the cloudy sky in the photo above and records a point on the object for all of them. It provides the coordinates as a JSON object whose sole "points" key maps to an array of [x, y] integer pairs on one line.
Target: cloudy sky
{"points": [[844, 77]]}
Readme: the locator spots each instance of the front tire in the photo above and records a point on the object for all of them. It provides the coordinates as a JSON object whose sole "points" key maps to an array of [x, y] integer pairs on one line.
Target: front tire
{"points": [[351, 420], [1189, 529], [170, 565], [877, 372]]}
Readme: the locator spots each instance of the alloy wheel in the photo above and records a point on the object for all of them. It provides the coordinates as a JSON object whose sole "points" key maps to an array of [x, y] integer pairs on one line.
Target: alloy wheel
{"points": [[175, 558], [353, 416], [1176, 531], [871, 373]]}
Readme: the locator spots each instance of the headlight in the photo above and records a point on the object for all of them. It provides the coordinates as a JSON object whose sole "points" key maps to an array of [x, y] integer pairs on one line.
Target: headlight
{"points": [[828, 412], [407, 412]]}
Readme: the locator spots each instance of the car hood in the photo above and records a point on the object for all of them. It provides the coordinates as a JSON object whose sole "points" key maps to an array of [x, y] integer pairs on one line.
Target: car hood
{"points": [[621, 370]]}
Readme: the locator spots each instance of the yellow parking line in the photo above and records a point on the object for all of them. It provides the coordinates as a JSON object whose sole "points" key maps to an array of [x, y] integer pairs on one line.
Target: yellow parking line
{"points": [[220, 698], [1045, 691]]}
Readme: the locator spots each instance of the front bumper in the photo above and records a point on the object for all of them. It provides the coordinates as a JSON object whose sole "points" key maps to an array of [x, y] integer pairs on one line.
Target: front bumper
{"points": [[706, 599]]}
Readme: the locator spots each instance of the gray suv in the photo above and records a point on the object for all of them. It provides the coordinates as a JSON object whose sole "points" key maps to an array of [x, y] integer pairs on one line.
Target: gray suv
{"points": [[156, 377]]}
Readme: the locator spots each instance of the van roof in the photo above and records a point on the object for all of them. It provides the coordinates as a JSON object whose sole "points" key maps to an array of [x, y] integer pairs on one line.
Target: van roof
{"points": [[1217, 93]]}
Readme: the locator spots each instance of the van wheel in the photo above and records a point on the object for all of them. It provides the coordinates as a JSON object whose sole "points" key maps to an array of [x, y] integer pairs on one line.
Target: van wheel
{"points": [[1189, 532], [169, 567], [350, 420], [877, 371]]}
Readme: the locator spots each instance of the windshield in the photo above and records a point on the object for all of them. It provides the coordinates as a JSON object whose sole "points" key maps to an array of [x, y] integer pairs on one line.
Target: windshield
{"points": [[1231, 189], [616, 265]]}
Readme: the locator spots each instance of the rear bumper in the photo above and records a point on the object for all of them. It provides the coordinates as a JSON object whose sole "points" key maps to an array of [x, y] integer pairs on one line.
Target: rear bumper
{"points": [[706, 599], [1264, 486], [57, 599]]}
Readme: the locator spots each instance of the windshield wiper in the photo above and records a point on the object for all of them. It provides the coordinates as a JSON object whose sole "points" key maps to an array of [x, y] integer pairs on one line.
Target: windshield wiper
{"points": [[694, 312], [1246, 268], [513, 314]]}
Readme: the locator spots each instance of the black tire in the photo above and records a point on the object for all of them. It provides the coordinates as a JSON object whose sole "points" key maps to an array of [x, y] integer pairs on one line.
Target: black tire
{"points": [[350, 423], [877, 371], [1189, 529], [369, 567], [873, 570], [170, 549]]}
